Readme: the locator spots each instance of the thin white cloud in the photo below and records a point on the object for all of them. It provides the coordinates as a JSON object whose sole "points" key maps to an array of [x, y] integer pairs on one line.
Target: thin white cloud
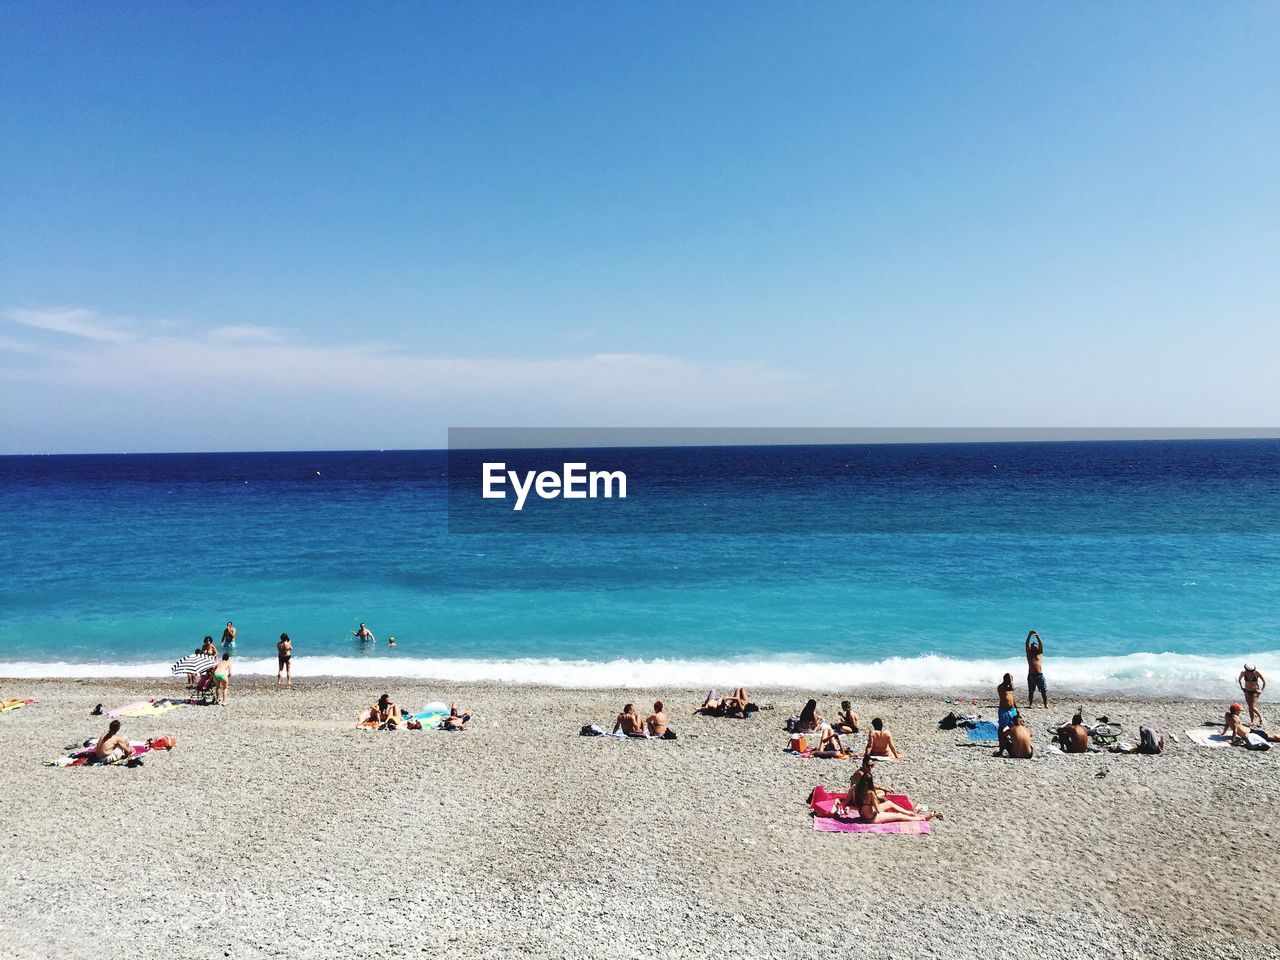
{"points": [[87, 324], [245, 332]]}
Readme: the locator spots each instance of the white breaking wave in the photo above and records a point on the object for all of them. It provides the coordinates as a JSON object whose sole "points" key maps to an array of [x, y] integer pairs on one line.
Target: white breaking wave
{"points": [[1146, 674]]}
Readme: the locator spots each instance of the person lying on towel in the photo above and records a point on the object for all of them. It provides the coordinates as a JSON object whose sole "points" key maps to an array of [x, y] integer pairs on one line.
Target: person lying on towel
{"points": [[113, 747], [456, 720], [385, 713], [629, 722], [1237, 731]]}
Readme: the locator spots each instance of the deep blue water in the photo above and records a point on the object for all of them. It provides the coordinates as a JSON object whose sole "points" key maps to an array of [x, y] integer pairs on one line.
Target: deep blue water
{"points": [[850, 555]]}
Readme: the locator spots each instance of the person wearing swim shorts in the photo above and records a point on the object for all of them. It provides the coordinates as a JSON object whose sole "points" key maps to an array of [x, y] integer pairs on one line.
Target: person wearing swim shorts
{"points": [[229, 639], [1008, 706], [284, 660], [1035, 671]]}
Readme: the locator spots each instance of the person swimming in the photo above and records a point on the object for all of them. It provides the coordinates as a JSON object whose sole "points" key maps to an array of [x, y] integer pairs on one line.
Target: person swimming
{"points": [[364, 634]]}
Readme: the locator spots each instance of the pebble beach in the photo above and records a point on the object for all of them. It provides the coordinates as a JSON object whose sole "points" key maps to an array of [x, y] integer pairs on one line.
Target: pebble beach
{"points": [[276, 828]]}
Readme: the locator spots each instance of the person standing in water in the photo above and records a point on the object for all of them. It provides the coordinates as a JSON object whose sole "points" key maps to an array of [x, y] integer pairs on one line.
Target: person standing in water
{"points": [[364, 634], [1252, 683], [1035, 671], [228, 639], [284, 660]]}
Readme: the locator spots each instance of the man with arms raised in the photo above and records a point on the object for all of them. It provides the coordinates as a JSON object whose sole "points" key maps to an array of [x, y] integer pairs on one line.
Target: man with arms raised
{"points": [[1035, 671]]}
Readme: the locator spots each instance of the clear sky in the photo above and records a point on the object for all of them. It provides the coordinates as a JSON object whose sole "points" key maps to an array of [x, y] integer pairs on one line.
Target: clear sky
{"points": [[305, 225]]}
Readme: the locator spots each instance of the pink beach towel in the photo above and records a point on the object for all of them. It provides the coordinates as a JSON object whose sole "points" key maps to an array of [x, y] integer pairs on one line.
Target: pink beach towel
{"points": [[824, 821]]}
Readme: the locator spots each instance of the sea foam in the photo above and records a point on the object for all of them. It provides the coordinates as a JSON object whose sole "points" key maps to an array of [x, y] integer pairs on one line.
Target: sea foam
{"points": [[1143, 674]]}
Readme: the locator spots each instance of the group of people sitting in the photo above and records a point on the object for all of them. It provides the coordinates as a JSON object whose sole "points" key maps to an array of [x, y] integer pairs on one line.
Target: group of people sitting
{"points": [[651, 727], [810, 733], [386, 714]]}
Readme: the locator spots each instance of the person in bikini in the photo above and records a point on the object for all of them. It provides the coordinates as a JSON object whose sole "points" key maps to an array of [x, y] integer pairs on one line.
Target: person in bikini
{"points": [[222, 679], [1237, 731], [457, 719], [284, 660], [656, 722], [872, 805], [385, 713], [113, 747], [208, 649], [1252, 683], [1035, 671], [880, 741], [1007, 707], [1016, 742], [629, 722]]}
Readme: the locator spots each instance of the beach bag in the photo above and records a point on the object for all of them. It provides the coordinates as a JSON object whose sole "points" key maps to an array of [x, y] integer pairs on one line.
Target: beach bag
{"points": [[669, 734], [948, 722], [1255, 741], [792, 723], [590, 730], [799, 743]]}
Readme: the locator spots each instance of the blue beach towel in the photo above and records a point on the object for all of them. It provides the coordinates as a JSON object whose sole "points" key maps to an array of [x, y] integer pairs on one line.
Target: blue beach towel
{"points": [[984, 732]]}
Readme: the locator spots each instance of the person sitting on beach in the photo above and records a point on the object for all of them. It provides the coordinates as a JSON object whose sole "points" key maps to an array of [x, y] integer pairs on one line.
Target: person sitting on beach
{"points": [[1016, 742], [1074, 736], [385, 713], [880, 741], [284, 660], [1237, 731], [209, 650], [809, 721], [1008, 706], [113, 747], [364, 634], [1252, 683], [656, 722], [846, 719], [873, 806], [222, 679], [456, 720], [629, 722], [1035, 671]]}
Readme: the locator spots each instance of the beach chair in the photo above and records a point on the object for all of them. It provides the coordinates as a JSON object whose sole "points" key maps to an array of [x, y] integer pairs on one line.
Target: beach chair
{"points": [[203, 690]]}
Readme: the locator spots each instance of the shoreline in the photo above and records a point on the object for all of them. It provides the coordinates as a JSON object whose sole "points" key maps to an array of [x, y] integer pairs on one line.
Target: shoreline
{"points": [[519, 836]]}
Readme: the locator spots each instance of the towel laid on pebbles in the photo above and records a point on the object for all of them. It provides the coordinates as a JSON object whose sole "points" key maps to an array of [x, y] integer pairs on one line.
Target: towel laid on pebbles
{"points": [[7, 705], [824, 819]]}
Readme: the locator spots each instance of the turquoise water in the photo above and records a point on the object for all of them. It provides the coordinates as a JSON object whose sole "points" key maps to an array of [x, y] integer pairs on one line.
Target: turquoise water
{"points": [[121, 564]]}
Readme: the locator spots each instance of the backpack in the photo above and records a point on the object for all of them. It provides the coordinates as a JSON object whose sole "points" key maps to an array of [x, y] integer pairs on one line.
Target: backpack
{"points": [[1150, 741], [948, 722], [792, 723]]}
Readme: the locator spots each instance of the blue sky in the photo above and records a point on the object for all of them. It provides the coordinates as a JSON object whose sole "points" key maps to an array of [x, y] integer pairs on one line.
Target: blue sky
{"points": [[310, 226]]}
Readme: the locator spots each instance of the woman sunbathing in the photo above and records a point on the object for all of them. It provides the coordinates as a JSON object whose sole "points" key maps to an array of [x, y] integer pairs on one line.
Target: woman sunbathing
{"points": [[455, 720], [385, 713], [874, 806]]}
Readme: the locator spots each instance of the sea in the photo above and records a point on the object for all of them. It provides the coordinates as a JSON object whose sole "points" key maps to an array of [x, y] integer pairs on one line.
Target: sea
{"points": [[1148, 567]]}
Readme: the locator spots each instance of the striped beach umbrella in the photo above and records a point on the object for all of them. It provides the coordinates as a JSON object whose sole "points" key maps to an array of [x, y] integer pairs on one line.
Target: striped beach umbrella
{"points": [[194, 663]]}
